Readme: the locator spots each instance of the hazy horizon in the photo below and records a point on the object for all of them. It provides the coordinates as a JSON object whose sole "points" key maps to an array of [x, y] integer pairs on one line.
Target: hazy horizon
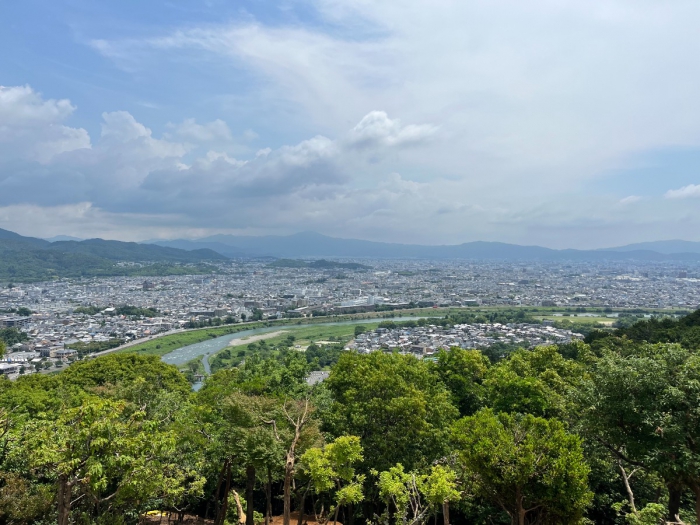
{"points": [[309, 232]]}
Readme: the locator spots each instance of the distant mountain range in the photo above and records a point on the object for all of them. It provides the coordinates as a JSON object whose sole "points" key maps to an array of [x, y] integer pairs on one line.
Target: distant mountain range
{"points": [[31, 259], [63, 238], [665, 247], [310, 245], [219, 247], [320, 264]]}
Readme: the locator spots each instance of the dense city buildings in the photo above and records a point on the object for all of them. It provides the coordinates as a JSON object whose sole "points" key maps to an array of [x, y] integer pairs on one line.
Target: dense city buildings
{"points": [[424, 341], [56, 315]]}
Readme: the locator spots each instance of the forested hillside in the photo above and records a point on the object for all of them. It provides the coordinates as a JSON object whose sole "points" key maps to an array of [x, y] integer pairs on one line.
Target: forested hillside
{"points": [[605, 433], [26, 259]]}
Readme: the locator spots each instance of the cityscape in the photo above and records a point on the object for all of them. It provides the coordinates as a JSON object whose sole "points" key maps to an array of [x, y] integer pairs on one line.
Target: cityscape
{"points": [[349, 262], [69, 311]]}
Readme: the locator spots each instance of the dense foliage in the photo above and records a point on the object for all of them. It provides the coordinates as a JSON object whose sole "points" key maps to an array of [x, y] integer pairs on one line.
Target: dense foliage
{"points": [[320, 264], [94, 346], [25, 259], [600, 432], [135, 311], [12, 336], [128, 310]]}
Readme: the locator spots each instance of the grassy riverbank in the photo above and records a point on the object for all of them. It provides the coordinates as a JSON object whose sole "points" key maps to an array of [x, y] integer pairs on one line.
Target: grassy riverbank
{"points": [[166, 344], [294, 338], [163, 345]]}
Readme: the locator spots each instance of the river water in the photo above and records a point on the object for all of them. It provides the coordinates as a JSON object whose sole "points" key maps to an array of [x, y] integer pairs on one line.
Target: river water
{"points": [[211, 346]]}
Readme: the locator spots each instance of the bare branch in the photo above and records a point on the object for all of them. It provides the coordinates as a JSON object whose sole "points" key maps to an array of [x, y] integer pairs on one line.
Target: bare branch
{"points": [[274, 427], [628, 488]]}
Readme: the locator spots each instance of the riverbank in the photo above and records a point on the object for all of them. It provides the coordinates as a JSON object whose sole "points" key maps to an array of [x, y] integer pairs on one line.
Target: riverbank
{"points": [[256, 338], [162, 344], [169, 342]]}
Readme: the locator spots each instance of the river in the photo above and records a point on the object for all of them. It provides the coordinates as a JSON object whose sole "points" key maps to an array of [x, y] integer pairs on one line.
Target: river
{"points": [[211, 346]]}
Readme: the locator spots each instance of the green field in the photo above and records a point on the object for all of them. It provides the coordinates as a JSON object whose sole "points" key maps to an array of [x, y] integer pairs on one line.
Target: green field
{"points": [[607, 321], [294, 338], [310, 334], [163, 345]]}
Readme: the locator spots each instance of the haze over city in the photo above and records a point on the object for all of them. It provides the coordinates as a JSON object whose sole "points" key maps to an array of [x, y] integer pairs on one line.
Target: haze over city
{"points": [[565, 125]]}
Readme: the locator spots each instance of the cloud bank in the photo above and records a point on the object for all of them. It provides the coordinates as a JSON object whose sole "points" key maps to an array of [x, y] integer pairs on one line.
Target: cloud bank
{"points": [[177, 181], [409, 121], [686, 192]]}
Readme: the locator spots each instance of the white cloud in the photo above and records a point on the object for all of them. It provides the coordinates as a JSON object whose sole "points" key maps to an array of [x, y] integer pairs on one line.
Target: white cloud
{"points": [[564, 89], [213, 156], [120, 127], [686, 192], [630, 200], [249, 134], [130, 170], [216, 130], [377, 129], [21, 106], [84, 220], [31, 128], [134, 183]]}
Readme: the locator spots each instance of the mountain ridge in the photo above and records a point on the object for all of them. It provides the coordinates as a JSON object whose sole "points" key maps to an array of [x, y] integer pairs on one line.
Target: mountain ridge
{"points": [[669, 247], [312, 244], [27, 259], [316, 245]]}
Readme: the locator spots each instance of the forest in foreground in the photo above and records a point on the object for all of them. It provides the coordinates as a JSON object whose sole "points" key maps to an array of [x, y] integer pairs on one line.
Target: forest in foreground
{"points": [[605, 431]]}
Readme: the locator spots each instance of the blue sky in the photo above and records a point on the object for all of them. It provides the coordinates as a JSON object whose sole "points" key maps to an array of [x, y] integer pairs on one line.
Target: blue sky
{"points": [[564, 124]]}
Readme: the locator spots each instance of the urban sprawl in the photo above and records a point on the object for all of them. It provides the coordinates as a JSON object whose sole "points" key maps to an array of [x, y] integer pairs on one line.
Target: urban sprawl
{"points": [[56, 315]]}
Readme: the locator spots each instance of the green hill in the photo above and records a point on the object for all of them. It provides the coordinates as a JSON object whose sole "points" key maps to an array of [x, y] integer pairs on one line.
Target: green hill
{"points": [[320, 264], [26, 259], [131, 251]]}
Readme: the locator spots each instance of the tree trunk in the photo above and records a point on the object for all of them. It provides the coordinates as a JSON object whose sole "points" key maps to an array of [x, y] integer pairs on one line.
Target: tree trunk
{"points": [[64, 497], [239, 507], [249, 489], [628, 488], [335, 514], [300, 519], [221, 515], [696, 491], [217, 494], [288, 472], [519, 507], [674, 503], [268, 497], [299, 424], [446, 512]]}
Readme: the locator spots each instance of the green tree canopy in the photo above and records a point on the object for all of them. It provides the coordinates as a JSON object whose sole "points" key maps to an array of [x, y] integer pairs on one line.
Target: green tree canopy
{"points": [[537, 381], [462, 372], [11, 336], [644, 406], [411, 496], [108, 454], [529, 466], [333, 468], [119, 368], [394, 403]]}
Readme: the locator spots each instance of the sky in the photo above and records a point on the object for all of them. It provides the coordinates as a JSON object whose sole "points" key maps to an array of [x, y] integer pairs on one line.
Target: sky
{"points": [[567, 124]]}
